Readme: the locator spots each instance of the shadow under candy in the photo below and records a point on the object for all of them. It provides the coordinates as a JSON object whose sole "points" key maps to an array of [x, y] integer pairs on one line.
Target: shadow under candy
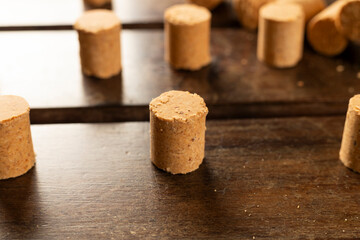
{"points": [[20, 207], [103, 90], [202, 81], [192, 203]]}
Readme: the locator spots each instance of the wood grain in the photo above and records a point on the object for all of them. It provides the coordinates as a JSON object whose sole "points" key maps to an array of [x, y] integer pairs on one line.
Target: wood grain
{"points": [[61, 14], [272, 179], [44, 67]]}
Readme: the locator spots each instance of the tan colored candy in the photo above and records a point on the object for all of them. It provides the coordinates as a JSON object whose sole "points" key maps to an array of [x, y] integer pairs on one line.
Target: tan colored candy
{"points": [[311, 7], [177, 126], [209, 4], [350, 150], [322, 33], [247, 12], [16, 149], [99, 36], [348, 21], [187, 36], [281, 34]]}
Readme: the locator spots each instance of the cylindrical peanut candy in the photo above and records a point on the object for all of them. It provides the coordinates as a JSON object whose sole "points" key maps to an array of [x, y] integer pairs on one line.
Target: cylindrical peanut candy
{"points": [[209, 4], [16, 149], [99, 36], [177, 129], [281, 34], [350, 145], [348, 21], [187, 36], [322, 33], [247, 12]]}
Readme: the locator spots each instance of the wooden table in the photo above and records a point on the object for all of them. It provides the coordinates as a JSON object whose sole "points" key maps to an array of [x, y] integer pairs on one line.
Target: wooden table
{"points": [[45, 65], [267, 178], [273, 175]]}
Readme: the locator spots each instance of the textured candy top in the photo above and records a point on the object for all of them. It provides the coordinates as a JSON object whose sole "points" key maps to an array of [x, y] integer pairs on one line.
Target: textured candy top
{"points": [[187, 14], [94, 21], [178, 105], [282, 12], [12, 107]]}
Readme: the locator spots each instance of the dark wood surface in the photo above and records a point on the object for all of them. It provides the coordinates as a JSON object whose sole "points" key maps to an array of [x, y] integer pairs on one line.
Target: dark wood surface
{"points": [[271, 179], [44, 67], [54, 14]]}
